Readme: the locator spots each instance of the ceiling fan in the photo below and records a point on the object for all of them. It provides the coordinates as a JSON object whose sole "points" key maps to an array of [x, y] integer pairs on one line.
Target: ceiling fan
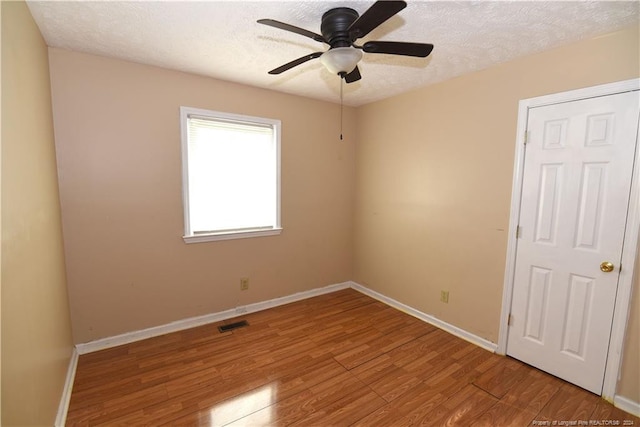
{"points": [[340, 28]]}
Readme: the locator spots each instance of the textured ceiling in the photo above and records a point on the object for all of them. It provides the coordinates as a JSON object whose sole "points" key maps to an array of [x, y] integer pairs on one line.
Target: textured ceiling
{"points": [[221, 39]]}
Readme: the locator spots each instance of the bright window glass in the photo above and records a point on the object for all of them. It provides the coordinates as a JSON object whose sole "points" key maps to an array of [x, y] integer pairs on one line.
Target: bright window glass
{"points": [[231, 175]]}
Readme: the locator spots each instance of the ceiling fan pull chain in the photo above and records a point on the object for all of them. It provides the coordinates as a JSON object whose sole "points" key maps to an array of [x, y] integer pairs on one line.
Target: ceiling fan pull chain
{"points": [[341, 114]]}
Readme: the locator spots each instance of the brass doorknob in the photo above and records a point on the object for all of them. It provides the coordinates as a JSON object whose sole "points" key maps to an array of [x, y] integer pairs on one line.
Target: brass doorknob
{"points": [[606, 266]]}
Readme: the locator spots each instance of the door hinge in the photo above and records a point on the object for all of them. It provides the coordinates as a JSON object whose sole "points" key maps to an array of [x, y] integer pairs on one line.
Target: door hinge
{"points": [[510, 320], [526, 137], [517, 231]]}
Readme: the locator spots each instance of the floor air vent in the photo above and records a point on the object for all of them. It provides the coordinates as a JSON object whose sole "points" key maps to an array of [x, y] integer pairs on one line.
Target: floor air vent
{"points": [[232, 326]]}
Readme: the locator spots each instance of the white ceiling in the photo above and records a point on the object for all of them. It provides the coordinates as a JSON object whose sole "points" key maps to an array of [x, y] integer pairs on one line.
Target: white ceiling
{"points": [[221, 39]]}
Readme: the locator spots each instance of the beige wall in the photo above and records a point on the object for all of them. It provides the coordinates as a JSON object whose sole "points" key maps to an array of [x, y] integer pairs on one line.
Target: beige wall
{"points": [[36, 331], [118, 144], [433, 181], [629, 385]]}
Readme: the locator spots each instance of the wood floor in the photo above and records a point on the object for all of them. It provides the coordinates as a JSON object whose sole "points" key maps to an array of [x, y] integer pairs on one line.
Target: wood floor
{"points": [[339, 359]]}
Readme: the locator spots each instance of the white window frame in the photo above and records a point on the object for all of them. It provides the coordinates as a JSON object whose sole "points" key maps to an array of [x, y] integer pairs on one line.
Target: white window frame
{"points": [[189, 236]]}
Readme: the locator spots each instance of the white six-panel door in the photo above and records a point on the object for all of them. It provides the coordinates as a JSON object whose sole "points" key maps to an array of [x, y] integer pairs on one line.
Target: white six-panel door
{"points": [[576, 183]]}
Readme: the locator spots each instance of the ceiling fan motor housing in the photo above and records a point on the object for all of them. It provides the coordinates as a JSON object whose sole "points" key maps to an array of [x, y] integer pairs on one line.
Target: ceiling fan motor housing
{"points": [[335, 26]]}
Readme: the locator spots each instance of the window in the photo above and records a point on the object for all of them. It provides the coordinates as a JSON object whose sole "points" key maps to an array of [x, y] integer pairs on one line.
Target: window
{"points": [[230, 175]]}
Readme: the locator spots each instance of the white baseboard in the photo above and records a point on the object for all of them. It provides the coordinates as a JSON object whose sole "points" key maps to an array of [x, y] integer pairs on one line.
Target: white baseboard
{"points": [[627, 405], [193, 322], [454, 330], [63, 408]]}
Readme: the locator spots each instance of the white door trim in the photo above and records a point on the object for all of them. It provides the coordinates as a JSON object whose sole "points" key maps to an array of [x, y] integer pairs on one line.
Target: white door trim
{"points": [[630, 246]]}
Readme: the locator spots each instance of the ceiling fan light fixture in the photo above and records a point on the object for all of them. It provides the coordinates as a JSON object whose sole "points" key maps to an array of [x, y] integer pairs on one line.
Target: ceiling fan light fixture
{"points": [[341, 59]]}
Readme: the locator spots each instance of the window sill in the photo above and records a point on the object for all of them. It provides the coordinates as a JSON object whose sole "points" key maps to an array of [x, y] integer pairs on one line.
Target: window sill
{"points": [[231, 235]]}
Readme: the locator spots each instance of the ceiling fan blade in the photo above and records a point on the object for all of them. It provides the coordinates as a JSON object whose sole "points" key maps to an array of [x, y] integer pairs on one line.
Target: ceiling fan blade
{"points": [[399, 48], [379, 12], [295, 63], [353, 76], [292, 28]]}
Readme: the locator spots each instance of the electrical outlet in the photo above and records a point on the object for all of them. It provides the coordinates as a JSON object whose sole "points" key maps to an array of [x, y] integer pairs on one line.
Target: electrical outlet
{"points": [[244, 284], [444, 297]]}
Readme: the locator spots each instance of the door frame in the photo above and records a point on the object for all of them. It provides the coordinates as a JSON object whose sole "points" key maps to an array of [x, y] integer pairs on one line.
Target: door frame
{"points": [[631, 236]]}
